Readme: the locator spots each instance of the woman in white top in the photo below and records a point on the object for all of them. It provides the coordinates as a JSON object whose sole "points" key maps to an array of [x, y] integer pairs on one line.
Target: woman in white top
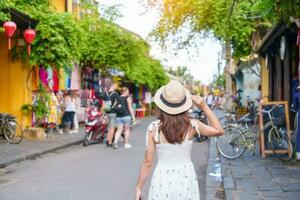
{"points": [[174, 177], [68, 116]]}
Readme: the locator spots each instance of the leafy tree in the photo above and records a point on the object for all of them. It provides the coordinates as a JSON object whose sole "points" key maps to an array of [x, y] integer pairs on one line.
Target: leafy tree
{"points": [[111, 13], [3, 15], [62, 39], [58, 37], [219, 80], [231, 21], [119, 48], [183, 73], [180, 71]]}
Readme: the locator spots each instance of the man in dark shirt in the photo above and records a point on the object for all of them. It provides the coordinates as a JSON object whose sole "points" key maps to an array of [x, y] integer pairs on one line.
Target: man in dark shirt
{"points": [[113, 95]]}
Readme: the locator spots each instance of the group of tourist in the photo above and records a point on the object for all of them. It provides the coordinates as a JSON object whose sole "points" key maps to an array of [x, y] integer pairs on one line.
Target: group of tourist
{"points": [[121, 115]]}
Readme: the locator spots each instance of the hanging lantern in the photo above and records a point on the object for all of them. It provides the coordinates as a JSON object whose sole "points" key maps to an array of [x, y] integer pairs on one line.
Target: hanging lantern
{"points": [[29, 36], [9, 29]]}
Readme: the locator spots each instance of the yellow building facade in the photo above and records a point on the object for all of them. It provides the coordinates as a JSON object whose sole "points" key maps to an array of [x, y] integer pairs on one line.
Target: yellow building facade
{"points": [[264, 80], [14, 91], [13, 87]]}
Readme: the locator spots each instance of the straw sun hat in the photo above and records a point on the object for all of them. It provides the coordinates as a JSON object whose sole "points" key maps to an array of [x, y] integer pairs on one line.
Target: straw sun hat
{"points": [[173, 98]]}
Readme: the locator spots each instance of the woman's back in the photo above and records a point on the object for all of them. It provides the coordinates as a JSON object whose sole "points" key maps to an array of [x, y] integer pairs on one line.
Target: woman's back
{"points": [[171, 154], [174, 176], [174, 154]]}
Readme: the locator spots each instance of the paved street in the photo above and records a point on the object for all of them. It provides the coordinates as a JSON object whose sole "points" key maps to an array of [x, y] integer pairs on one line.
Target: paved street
{"points": [[93, 172]]}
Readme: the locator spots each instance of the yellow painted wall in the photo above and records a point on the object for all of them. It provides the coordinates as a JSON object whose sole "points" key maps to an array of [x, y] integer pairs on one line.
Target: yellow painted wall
{"points": [[13, 91], [70, 6], [59, 5], [264, 79]]}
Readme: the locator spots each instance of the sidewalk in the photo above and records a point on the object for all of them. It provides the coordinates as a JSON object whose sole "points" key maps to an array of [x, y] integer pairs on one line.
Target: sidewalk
{"points": [[10, 153], [252, 177]]}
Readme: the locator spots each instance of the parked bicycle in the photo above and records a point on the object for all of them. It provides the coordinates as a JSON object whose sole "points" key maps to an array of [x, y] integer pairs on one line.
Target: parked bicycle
{"points": [[238, 137], [10, 128]]}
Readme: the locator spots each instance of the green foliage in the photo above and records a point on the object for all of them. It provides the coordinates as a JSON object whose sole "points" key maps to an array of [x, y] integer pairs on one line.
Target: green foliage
{"points": [[58, 41], [275, 10], [39, 106], [219, 81], [182, 73], [3, 15], [228, 20], [116, 47], [61, 40], [58, 37], [111, 13]]}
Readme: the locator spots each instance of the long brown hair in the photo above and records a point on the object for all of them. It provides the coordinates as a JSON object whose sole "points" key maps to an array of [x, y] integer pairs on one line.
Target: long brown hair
{"points": [[174, 127]]}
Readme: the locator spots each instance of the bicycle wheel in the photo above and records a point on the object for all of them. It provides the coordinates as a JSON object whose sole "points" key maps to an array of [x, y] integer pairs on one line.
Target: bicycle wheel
{"points": [[14, 132], [231, 144], [280, 142], [227, 119]]}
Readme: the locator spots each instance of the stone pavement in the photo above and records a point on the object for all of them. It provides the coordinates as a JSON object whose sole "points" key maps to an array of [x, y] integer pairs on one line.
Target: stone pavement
{"points": [[10, 153], [214, 185], [252, 177]]}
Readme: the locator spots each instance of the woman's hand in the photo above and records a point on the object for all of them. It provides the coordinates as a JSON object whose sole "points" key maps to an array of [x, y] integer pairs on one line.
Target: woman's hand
{"points": [[198, 101], [138, 193]]}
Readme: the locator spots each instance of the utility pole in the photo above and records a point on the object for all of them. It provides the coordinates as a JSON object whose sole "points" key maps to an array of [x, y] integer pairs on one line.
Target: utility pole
{"points": [[219, 64]]}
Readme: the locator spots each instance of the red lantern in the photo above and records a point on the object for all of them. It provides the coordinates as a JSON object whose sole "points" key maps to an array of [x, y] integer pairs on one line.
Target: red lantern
{"points": [[29, 36], [9, 29]]}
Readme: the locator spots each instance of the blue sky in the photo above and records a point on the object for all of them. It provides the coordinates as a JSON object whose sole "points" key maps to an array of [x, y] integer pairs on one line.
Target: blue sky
{"points": [[201, 61]]}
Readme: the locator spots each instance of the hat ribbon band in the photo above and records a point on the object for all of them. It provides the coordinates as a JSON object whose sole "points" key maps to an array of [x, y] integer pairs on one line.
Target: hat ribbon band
{"points": [[173, 105]]}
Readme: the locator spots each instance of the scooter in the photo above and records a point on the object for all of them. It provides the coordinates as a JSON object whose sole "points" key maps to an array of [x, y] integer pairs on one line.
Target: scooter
{"points": [[199, 115], [95, 127]]}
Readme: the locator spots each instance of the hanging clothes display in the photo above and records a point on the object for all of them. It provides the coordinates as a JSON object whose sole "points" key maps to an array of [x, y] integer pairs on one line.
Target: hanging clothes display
{"points": [[53, 104], [75, 79], [68, 79], [43, 75], [95, 80], [50, 78], [55, 80], [84, 78], [62, 81]]}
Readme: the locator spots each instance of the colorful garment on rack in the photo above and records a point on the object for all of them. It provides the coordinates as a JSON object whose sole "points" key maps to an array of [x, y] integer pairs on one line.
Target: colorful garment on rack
{"points": [[43, 75], [55, 80], [53, 104], [62, 81], [68, 79], [75, 80], [50, 78]]}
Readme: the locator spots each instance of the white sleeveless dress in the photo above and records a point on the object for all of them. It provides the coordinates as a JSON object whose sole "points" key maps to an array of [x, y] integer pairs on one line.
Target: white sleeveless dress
{"points": [[174, 177]]}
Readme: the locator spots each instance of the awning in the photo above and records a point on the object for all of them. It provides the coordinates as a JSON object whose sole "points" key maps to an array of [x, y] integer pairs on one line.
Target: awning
{"points": [[271, 36], [21, 19]]}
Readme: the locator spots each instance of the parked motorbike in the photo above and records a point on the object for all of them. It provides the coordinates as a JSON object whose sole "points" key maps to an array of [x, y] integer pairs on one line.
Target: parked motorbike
{"points": [[95, 127], [199, 115]]}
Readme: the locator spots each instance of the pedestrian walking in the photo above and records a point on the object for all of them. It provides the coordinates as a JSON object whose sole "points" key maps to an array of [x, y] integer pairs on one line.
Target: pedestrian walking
{"points": [[67, 121], [110, 100], [125, 116], [210, 100], [77, 101], [171, 136]]}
